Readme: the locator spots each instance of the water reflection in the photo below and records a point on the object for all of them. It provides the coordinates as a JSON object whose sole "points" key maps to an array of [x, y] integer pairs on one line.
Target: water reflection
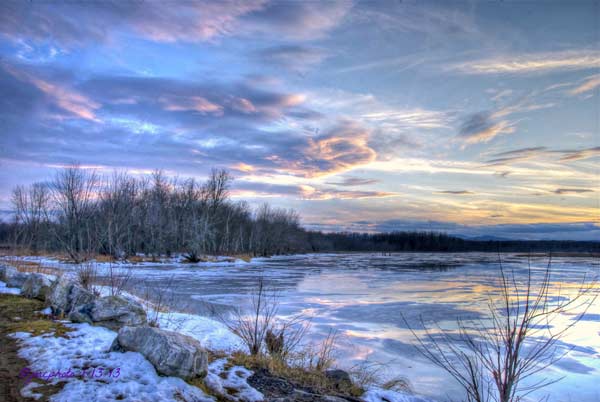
{"points": [[365, 297]]}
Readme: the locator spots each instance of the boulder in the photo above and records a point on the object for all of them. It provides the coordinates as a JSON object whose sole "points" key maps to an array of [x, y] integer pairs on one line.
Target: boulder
{"points": [[79, 296], [3, 272], [112, 312], [14, 278], [303, 396], [339, 378], [58, 296], [36, 286], [171, 353]]}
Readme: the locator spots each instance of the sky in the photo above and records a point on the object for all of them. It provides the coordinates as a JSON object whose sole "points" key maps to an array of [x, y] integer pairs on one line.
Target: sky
{"points": [[473, 118]]}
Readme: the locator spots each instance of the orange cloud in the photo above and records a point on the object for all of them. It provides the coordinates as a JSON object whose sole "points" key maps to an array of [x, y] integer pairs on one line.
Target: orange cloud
{"points": [[192, 103], [69, 100]]}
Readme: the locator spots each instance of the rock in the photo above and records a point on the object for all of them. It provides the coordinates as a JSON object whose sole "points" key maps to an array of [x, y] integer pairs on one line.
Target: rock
{"points": [[14, 278], [339, 378], [36, 286], [2, 272], [303, 396], [58, 296], [171, 353], [112, 312], [269, 384], [79, 296]]}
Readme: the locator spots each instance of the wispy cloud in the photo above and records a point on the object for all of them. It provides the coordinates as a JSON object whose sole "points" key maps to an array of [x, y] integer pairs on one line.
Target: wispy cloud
{"points": [[354, 181], [589, 84], [481, 127], [531, 63], [294, 57], [575, 155], [456, 192], [564, 191], [71, 103]]}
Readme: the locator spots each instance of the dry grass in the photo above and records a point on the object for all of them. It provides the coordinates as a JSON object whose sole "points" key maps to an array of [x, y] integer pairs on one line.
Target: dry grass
{"points": [[301, 377], [243, 257], [21, 315], [136, 259], [31, 266]]}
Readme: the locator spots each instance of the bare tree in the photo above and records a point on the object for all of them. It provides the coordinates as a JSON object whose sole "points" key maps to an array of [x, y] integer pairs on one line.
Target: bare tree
{"points": [[74, 191], [492, 358], [32, 214]]}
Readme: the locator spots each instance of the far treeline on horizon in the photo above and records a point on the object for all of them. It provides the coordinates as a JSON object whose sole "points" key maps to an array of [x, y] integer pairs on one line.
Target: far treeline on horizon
{"points": [[83, 214]]}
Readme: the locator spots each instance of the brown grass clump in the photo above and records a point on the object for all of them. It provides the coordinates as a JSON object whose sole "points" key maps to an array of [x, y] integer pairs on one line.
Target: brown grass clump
{"points": [[31, 266], [301, 377]]}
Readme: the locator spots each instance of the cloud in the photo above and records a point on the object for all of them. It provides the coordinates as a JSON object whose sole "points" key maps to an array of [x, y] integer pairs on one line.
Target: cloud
{"points": [[481, 127], [342, 148], [297, 20], [532, 63], [354, 181], [589, 84], [456, 192], [61, 100], [575, 155], [515, 155], [305, 192], [75, 24], [564, 191], [293, 57], [531, 153], [117, 120]]}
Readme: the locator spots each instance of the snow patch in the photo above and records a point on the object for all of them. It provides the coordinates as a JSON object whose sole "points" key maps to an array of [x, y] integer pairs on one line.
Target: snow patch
{"points": [[219, 380], [7, 290], [385, 395], [88, 348]]}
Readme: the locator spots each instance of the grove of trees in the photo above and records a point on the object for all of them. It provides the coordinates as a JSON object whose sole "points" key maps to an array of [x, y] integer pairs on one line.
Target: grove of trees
{"points": [[82, 214]]}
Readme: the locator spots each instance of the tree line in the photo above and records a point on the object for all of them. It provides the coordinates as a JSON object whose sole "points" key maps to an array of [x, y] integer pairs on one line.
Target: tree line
{"points": [[83, 214]]}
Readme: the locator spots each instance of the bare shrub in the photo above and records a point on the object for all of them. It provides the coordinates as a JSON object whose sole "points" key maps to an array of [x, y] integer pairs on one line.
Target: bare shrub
{"points": [[87, 275], [368, 373], [117, 279], [491, 358], [157, 298], [259, 327], [322, 357], [252, 325]]}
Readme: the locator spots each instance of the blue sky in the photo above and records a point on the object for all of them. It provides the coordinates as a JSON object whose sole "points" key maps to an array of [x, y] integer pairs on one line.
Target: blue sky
{"points": [[470, 117]]}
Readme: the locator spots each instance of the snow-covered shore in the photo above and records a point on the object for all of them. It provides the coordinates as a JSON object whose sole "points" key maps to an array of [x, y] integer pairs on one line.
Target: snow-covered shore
{"points": [[88, 347]]}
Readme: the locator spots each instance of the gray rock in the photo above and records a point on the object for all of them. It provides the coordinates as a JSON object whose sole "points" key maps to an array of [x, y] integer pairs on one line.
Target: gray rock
{"points": [[171, 353], [36, 286], [79, 296], [112, 312], [303, 396], [58, 296], [339, 378], [14, 278], [2, 272]]}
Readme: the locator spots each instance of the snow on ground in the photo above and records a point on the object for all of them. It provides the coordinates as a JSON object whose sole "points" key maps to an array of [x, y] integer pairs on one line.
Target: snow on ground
{"points": [[12, 291], [384, 395], [117, 376], [212, 334], [174, 261], [219, 379]]}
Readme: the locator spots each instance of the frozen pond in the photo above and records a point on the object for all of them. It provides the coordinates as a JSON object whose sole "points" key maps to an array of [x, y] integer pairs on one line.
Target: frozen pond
{"points": [[364, 297]]}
